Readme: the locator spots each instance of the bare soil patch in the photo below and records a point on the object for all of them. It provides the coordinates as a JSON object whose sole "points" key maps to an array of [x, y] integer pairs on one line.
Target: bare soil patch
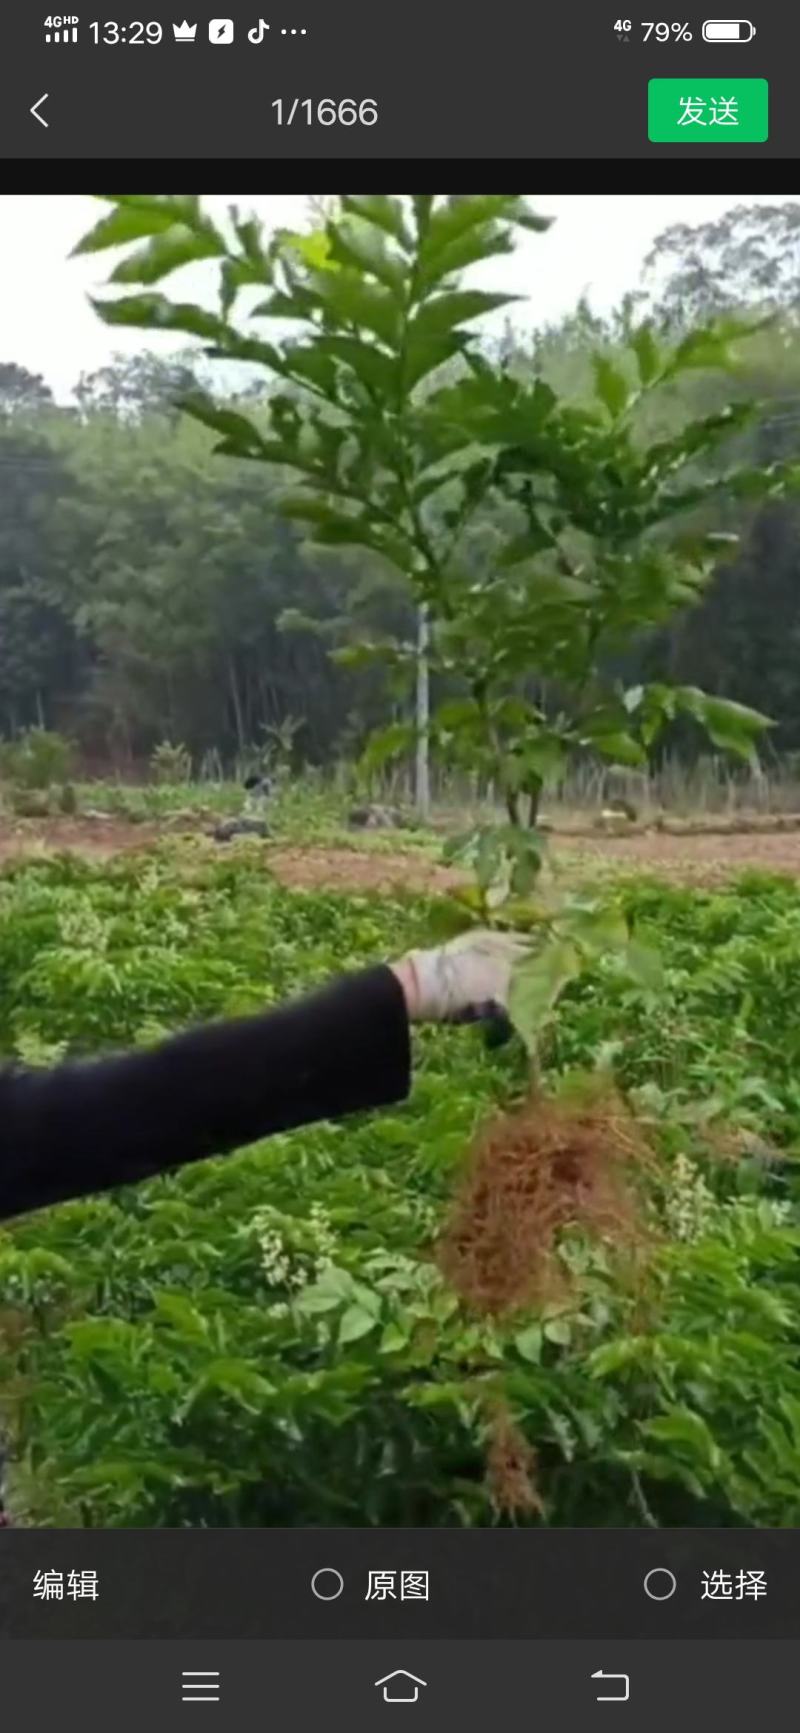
{"points": [[346, 870], [693, 859], [689, 859], [31, 838]]}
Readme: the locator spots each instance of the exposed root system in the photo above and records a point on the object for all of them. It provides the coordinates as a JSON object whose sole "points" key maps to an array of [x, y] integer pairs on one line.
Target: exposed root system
{"points": [[511, 1469], [551, 1165]]}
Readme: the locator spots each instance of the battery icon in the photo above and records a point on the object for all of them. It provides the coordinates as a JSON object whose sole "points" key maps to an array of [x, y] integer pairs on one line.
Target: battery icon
{"points": [[728, 30]]}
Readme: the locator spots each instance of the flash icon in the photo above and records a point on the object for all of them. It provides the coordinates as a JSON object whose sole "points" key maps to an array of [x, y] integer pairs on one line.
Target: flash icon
{"points": [[220, 30]]}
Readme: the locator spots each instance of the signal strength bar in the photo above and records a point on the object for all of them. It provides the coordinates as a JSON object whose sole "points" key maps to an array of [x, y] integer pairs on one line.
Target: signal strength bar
{"points": [[67, 33]]}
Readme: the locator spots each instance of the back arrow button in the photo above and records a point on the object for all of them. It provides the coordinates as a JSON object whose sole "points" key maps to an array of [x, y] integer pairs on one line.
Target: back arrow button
{"points": [[621, 1679], [35, 110]]}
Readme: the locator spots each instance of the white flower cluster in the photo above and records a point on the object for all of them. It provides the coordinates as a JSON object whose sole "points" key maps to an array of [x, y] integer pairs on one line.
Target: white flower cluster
{"points": [[323, 1237], [275, 1260], [81, 928], [172, 931], [764, 1213], [33, 1050], [286, 1267], [690, 1205]]}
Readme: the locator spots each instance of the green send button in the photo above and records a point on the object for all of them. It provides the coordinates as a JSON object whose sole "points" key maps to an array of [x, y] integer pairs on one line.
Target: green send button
{"points": [[708, 111]]}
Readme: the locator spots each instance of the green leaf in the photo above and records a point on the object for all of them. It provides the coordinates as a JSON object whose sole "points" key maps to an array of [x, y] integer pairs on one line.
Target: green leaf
{"points": [[312, 363], [423, 207], [364, 655], [445, 312], [596, 930], [457, 847], [156, 313], [531, 220], [378, 372], [619, 748], [616, 1356], [470, 227], [127, 223], [225, 421], [355, 242], [644, 964], [394, 1339], [647, 352], [528, 1343], [450, 917], [316, 1301], [309, 508], [611, 386], [488, 858], [356, 1322], [351, 301], [184, 1317], [458, 713], [183, 207], [710, 346], [387, 744], [537, 984], [237, 1379], [558, 1330], [423, 356], [527, 546], [239, 274], [687, 1430], [733, 727], [313, 248], [167, 252], [384, 211], [461, 234], [544, 758], [333, 528]]}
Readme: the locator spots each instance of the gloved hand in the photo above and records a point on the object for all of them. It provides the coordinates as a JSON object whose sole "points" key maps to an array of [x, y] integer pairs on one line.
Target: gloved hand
{"points": [[464, 980]]}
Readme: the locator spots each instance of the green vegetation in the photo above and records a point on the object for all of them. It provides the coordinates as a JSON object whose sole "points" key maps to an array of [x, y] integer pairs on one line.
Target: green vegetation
{"points": [[264, 1338], [520, 533], [591, 532], [149, 590]]}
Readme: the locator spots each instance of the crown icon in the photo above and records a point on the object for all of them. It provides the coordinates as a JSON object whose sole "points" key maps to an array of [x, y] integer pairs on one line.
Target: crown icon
{"points": [[184, 32]]}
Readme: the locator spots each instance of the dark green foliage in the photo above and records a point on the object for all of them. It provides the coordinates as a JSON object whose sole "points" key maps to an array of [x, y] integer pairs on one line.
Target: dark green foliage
{"points": [[143, 586], [37, 759], [264, 1339]]}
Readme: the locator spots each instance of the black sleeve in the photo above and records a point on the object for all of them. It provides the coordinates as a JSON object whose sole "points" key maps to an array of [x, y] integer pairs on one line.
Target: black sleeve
{"points": [[84, 1127]]}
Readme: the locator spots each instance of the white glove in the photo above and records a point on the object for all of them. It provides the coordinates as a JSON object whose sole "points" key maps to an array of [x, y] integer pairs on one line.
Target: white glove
{"points": [[467, 977]]}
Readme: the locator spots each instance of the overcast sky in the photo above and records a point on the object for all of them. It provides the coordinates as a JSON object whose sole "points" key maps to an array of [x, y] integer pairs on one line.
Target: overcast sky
{"points": [[596, 246]]}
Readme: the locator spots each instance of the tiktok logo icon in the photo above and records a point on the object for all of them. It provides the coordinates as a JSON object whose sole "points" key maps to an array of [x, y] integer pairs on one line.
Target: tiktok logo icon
{"points": [[258, 32]]}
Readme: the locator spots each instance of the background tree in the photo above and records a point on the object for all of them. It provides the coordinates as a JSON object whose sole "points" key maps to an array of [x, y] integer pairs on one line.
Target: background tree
{"points": [[599, 530], [21, 390], [84, 649], [750, 257]]}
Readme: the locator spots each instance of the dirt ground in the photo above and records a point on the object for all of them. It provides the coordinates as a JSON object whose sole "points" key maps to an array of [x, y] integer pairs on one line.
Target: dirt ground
{"points": [[686, 859], [343, 869], [312, 868], [96, 838], [692, 859]]}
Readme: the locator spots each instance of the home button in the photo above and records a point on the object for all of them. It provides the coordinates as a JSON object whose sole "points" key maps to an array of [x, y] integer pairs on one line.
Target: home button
{"points": [[400, 1686]]}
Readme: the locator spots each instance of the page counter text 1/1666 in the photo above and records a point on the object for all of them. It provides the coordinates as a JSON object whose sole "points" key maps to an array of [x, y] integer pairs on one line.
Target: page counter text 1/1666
{"points": [[307, 111]]}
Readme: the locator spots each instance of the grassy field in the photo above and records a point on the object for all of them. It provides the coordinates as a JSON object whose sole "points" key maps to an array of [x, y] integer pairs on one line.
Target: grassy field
{"points": [[266, 1339]]}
